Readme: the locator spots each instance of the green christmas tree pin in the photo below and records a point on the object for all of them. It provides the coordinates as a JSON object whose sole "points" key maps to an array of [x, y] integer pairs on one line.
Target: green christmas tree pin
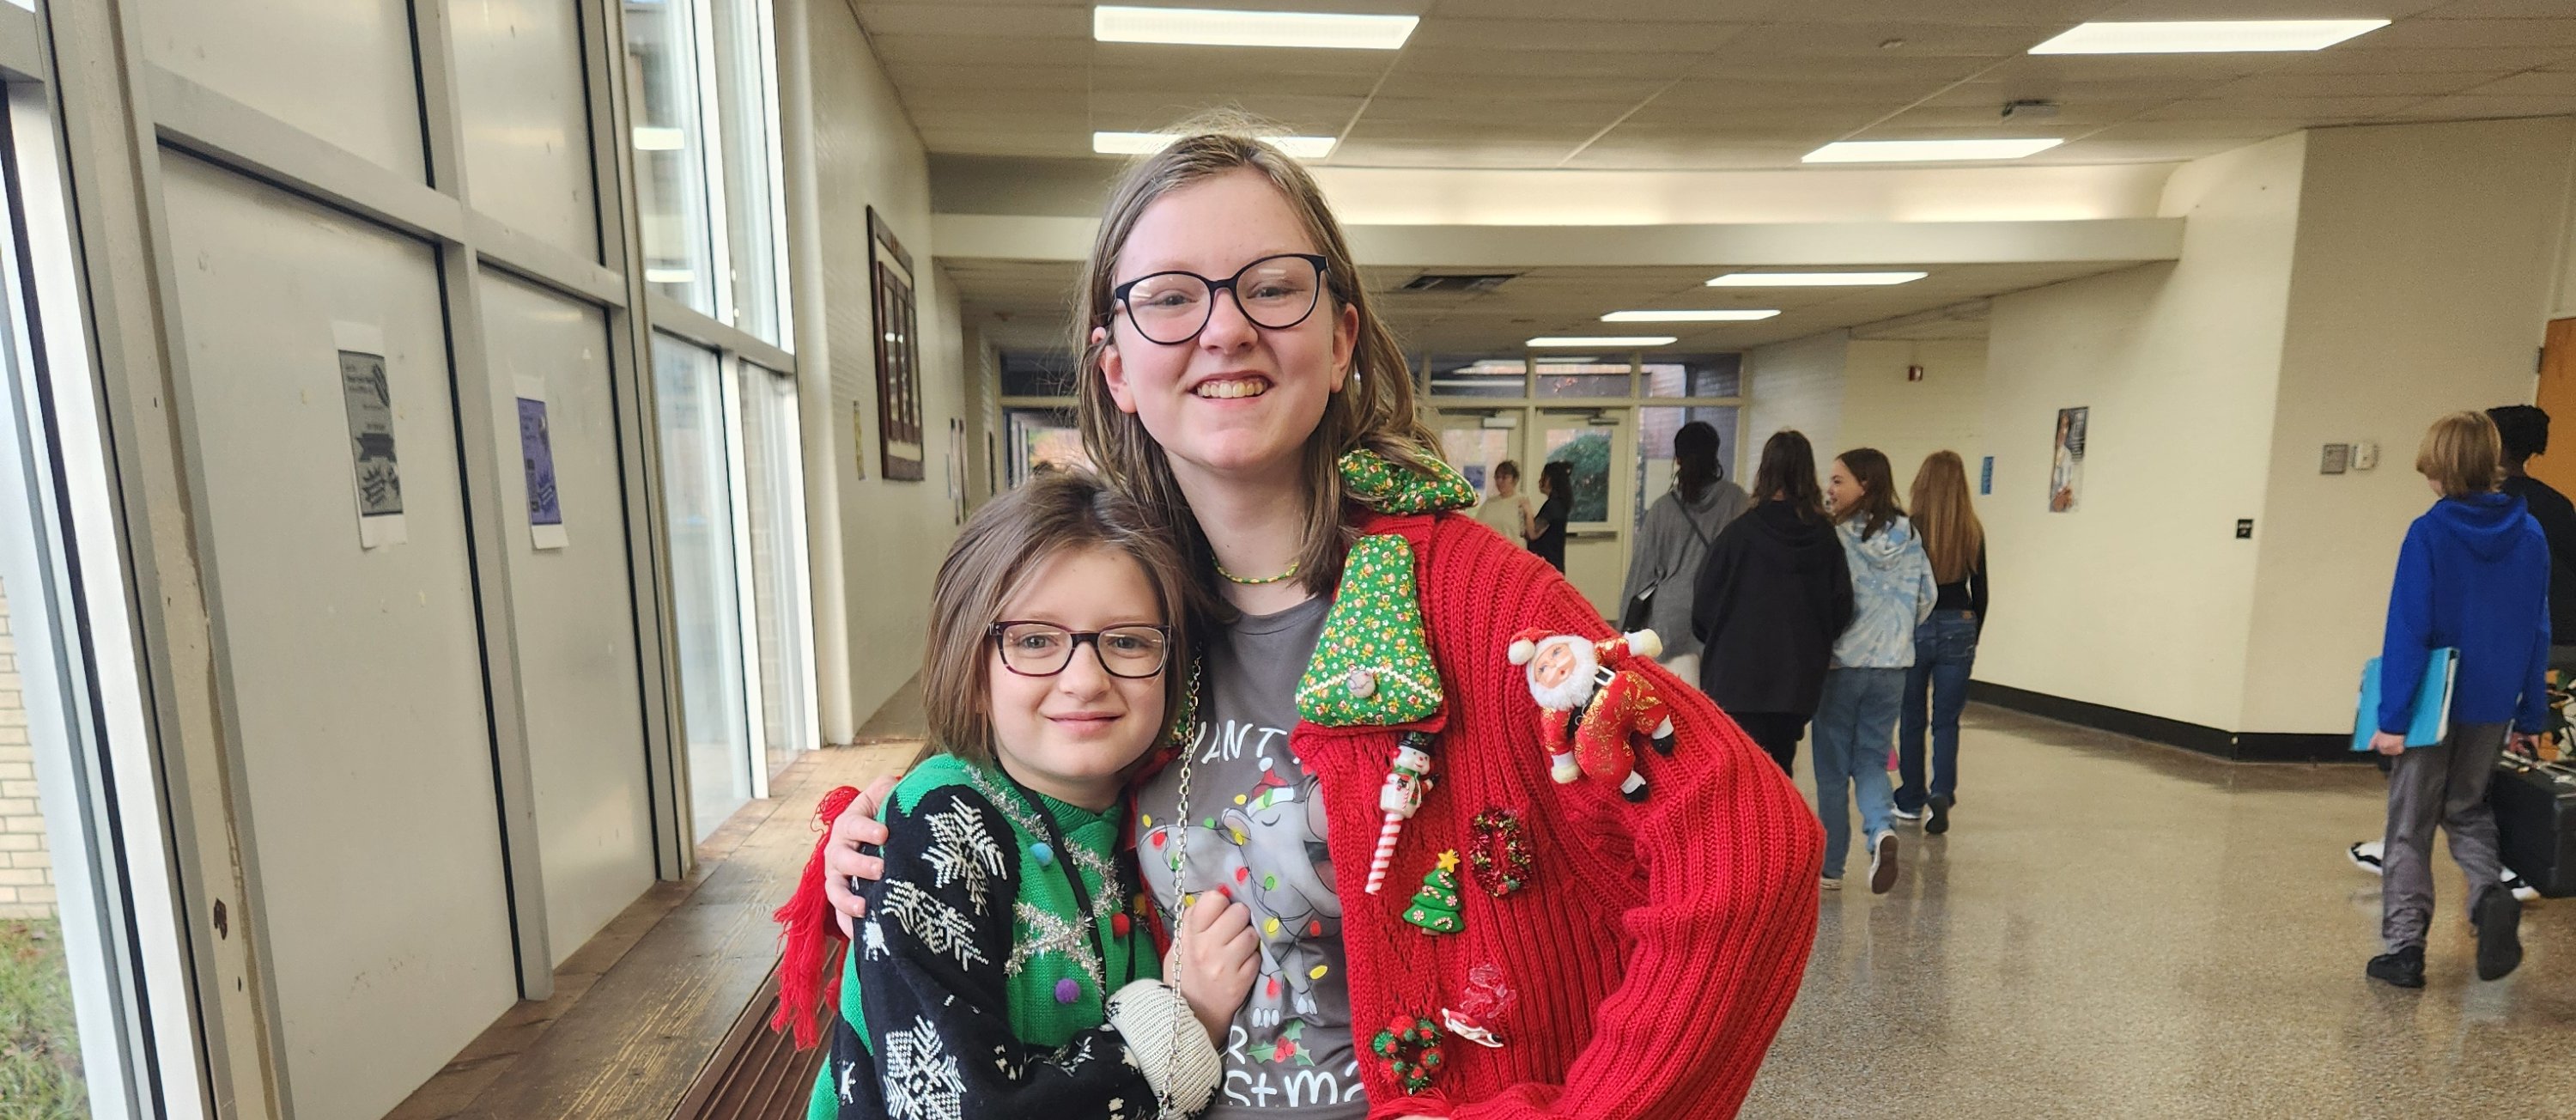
{"points": [[1435, 906]]}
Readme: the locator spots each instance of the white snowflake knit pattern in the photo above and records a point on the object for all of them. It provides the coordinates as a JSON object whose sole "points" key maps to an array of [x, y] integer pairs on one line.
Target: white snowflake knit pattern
{"points": [[872, 940], [937, 925], [921, 1078], [962, 848]]}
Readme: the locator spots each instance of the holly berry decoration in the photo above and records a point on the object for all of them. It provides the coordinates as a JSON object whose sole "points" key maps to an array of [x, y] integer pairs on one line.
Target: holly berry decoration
{"points": [[1286, 1048], [1409, 1050], [1499, 854], [1435, 906]]}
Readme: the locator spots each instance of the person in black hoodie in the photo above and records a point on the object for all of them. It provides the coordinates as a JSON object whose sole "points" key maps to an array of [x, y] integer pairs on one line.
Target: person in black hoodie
{"points": [[1772, 597], [2526, 433]]}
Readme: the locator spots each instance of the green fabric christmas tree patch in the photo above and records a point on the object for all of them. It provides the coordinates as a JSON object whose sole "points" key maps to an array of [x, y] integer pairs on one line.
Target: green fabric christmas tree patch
{"points": [[1385, 486], [1435, 906], [1372, 667]]}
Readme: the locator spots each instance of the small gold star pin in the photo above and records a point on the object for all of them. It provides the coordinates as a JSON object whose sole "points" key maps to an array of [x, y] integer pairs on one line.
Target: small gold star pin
{"points": [[1449, 861]]}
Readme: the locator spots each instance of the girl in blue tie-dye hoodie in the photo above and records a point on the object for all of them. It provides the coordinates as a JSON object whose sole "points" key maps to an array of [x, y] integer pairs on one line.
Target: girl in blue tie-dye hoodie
{"points": [[1892, 592]]}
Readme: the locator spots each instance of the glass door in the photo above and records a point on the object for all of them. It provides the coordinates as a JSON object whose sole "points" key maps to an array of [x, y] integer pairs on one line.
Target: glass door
{"points": [[1479, 441], [1590, 443], [706, 591]]}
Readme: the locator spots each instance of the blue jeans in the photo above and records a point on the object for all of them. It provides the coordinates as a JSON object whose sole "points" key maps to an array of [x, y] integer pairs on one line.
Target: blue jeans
{"points": [[1854, 720], [1945, 649]]}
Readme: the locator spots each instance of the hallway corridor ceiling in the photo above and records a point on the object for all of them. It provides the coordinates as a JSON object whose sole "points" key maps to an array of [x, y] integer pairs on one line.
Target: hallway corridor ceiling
{"points": [[1716, 84]]}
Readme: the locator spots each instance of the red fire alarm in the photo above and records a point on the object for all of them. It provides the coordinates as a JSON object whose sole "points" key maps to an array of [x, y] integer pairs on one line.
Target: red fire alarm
{"points": [[1914, 373]]}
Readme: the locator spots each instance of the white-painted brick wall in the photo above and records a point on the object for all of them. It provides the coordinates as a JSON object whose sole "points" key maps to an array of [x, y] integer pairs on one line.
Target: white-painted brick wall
{"points": [[26, 871]]}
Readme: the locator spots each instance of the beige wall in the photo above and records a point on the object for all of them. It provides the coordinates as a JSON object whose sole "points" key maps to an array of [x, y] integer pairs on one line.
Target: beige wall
{"points": [[2138, 599], [892, 533], [1911, 419], [26, 871], [2424, 273]]}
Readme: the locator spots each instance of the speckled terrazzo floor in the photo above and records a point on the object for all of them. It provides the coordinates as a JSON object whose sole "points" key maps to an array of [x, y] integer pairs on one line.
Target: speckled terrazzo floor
{"points": [[2116, 929]]}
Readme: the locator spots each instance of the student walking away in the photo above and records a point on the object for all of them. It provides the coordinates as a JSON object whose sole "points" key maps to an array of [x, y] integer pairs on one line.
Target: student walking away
{"points": [[2524, 431], [1508, 511], [1772, 597], [1673, 544], [1547, 539], [1945, 645], [2473, 576], [1892, 593]]}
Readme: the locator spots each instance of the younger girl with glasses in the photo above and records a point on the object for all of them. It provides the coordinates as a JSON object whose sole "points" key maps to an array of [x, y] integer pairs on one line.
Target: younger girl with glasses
{"points": [[1005, 967]]}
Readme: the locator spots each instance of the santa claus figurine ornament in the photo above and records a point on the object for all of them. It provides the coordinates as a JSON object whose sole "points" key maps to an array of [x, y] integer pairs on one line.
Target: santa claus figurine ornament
{"points": [[1591, 702]]}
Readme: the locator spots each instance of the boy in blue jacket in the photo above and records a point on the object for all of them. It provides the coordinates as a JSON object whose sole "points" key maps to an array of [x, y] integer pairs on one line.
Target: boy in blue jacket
{"points": [[2473, 575]]}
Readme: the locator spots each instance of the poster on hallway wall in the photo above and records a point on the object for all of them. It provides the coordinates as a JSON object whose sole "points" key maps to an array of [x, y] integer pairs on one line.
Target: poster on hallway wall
{"points": [[537, 462], [366, 398], [2066, 461]]}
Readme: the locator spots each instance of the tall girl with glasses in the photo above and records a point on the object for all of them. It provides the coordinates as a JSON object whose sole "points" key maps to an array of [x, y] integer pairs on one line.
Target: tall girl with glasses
{"points": [[1006, 968], [1608, 958], [1945, 645]]}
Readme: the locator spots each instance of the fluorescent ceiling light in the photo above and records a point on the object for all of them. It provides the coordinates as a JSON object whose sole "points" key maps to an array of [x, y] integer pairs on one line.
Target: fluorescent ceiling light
{"points": [[1207, 27], [1147, 143], [1733, 316], [1814, 279], [1924, 151], [649, 139], [1607, 340], [2207, 36]]}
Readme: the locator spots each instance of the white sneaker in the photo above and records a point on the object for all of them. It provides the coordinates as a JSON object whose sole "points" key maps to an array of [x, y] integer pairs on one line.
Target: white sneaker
{"points": [[2522, 890], [1904, 814], [1882, 863], [2365, 855], [1833, 884]]}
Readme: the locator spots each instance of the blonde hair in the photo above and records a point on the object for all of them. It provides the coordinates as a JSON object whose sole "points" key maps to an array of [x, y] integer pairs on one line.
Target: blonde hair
{"points": [[2462, 454], [1374, 410], [1002, 546], [1944, 517]]}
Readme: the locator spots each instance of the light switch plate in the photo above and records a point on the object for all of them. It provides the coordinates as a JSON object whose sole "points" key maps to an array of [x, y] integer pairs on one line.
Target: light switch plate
{"points": [[2365, 455]]}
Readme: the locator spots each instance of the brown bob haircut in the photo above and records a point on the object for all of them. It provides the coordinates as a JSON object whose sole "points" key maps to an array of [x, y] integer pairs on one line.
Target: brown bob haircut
{"points": [[994, 556], [1373, 410], [2462, 454]]}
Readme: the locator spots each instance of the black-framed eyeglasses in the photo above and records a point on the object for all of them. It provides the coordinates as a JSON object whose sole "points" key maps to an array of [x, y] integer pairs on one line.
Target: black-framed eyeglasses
{"points": [[1171, 308], [1043, 649]]}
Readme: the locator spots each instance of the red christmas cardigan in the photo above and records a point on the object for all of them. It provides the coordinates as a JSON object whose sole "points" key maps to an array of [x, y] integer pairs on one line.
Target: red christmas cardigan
{"points": [[1657, 946]]}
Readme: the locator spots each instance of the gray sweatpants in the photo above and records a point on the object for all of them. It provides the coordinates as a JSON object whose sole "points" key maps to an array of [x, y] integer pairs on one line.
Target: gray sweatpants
{"points": [[2444, 784]]}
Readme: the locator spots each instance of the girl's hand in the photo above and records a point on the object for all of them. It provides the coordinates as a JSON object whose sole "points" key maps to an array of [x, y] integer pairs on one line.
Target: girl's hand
{"points": [[842, 859], [1217, 951], [2387, 744]]}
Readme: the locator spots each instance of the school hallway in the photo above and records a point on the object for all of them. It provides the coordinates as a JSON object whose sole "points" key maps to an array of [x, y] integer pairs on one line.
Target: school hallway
{"points": [[2115, 928]]}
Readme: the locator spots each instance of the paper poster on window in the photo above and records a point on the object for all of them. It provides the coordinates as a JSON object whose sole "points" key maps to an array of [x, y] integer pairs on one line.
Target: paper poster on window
{"points": [[367, 397], [537, 460], [2066, 461]]}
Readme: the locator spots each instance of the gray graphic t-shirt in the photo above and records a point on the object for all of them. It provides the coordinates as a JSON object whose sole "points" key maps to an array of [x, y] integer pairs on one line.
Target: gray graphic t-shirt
{"points": [[1256, 828]]}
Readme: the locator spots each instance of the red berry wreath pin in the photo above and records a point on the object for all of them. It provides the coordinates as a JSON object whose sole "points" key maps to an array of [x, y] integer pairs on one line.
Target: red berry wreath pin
{"points": [[1497, 853], [1409, 1049]]}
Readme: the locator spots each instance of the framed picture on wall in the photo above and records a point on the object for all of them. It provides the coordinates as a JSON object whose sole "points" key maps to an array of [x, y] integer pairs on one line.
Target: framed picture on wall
{"points": [[898, 351]]}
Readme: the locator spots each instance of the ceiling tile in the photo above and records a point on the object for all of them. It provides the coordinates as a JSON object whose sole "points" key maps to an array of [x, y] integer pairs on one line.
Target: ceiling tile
{"points": [[1147, 112], [2443, 60], [1060, 78], [2264, 9], [1490, 87], [2468, 107], [1702, 94], [2430, 34], [1243, 61], [2266, 86], [2499, 9], [2281, 108], [1867, 40], [1400, 111], [1537, 64], [980, 21], [2547, 84], [1581, 35]]}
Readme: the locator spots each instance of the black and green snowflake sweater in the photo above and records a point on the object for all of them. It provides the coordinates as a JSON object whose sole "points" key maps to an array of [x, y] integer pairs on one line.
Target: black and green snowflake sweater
{"points": [[974, 989]]}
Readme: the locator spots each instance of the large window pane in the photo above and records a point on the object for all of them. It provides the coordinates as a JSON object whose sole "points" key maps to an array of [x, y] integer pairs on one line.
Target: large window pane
{"points": [[1040, 439], [1582, 377], [1586, 450], [775, 487], [706, 605], [1705, 375], [664, 46], [755, 209], [1479, 377]]}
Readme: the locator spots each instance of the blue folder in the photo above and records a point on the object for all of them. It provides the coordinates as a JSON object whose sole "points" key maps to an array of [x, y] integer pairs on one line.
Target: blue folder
{"points": [[2428, 718]]}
